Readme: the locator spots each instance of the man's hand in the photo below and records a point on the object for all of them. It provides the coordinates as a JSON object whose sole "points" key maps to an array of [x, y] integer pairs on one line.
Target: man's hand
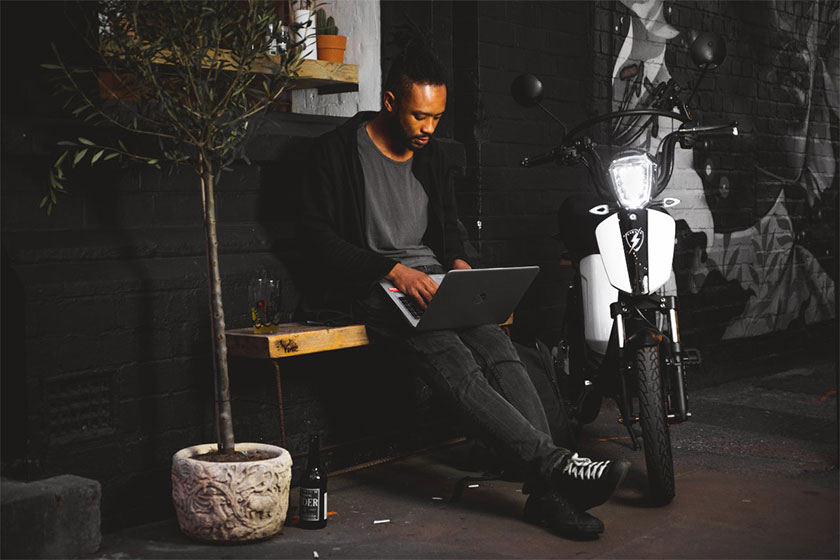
{"points": [[413, 283], [460, 264]]}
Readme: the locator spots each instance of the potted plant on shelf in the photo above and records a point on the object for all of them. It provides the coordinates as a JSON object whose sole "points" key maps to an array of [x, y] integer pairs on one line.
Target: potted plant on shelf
{"points": [[305, 32], [196, 76], [331, 45]]}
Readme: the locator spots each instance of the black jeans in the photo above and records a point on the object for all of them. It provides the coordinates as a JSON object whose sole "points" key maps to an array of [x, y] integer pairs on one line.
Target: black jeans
{"points": [[478, 370]]}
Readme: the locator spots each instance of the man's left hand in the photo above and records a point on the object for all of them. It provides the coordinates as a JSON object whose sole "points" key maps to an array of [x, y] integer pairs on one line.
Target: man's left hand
{"points": [[460, 264]]}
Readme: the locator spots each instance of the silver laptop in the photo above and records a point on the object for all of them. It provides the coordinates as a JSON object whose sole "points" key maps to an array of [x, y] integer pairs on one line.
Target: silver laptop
{"points": [[466, 298]]}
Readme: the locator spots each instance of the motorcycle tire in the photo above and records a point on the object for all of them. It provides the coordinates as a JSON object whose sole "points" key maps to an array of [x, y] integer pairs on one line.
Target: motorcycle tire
{"points": [[655, 433]]}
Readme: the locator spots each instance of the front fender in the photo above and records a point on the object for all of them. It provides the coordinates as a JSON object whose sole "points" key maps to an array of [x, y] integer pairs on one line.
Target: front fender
{"points": [[643, 337]]}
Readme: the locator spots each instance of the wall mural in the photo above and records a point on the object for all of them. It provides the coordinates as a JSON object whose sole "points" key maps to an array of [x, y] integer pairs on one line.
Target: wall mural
{"points": [[761, 203]]}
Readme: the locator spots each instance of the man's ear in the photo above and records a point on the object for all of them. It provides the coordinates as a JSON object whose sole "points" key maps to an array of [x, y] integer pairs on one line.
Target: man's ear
{"points": [[389, 101]]}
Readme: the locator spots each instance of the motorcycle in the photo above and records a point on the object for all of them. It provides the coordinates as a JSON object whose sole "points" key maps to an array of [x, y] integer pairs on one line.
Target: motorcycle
{"points": [[621, 336]]}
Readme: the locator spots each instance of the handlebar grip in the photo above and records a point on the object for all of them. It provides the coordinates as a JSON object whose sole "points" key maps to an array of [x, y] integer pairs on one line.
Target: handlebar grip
{"points": [[731, 128], [539, 159]]}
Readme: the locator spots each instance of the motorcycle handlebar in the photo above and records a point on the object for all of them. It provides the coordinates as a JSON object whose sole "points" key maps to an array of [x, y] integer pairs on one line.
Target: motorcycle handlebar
{"points": [[558, 154], [731, 128], [539, 159]]}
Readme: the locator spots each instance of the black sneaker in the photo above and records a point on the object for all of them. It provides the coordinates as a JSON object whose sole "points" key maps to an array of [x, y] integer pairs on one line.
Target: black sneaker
{"points": [[587, 483], [554, 512]]}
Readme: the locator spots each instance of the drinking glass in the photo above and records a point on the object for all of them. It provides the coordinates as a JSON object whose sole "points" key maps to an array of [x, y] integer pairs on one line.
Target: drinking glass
{"points": [[264, 297]]}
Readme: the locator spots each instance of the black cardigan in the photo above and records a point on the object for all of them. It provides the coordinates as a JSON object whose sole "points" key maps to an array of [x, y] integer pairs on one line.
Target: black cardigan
{"points": [[339, 263]]}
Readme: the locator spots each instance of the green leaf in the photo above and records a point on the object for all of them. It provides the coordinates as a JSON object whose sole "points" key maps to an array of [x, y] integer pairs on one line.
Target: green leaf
{"points": [[85, 141], [111, 156], [44, 201], [79, 155], [66, 143], [152, 162], [96, 156], [59, 161]]}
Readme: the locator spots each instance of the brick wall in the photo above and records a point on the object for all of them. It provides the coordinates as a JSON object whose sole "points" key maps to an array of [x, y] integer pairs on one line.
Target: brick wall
{"points": [[514, 207]]}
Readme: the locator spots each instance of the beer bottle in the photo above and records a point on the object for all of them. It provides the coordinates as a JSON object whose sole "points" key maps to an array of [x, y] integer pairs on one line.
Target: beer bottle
{"points": [[313, 490]]}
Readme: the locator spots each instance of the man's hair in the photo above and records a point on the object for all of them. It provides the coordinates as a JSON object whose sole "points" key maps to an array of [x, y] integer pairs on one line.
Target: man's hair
{"points": [[416, 64]]}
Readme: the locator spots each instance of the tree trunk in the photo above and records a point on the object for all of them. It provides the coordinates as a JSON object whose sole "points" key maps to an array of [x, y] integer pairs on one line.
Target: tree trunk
{"points": [[224, 419]]}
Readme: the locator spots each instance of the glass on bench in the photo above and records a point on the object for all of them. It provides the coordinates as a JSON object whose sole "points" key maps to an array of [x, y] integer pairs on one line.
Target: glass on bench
{"points": [[264, 297]]}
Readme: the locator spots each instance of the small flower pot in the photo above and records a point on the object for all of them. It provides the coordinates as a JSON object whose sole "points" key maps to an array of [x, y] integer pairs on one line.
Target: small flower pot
{"points": [[231, 501], [331, 47]]}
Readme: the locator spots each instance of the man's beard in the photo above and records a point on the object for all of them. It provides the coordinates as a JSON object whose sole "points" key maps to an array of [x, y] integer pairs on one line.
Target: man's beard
{"points": [[407, 140]]}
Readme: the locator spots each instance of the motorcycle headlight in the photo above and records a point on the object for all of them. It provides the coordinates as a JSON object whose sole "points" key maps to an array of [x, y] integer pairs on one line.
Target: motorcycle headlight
{"points": [[632, 179]]}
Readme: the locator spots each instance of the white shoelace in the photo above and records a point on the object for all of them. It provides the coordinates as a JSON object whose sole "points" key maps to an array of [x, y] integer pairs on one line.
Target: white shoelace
{"points": [[585, 469]]}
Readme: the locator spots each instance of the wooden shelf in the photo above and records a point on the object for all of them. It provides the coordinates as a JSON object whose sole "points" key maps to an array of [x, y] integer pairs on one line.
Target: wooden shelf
{"points": [[328, 77]]}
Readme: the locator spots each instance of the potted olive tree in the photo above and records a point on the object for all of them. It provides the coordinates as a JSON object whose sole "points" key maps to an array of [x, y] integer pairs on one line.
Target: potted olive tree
{"points": [[185, 81]]}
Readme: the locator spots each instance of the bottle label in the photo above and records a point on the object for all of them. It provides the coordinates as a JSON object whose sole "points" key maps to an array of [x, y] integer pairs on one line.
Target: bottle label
{"points": [[311, 504]]}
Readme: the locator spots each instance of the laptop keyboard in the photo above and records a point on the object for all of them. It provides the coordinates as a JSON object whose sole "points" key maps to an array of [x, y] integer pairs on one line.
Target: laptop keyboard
{"points": [[412, 306]]}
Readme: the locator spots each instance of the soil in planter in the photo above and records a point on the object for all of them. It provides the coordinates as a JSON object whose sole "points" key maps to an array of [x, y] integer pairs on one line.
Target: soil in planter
{"points": [[233, 456]]}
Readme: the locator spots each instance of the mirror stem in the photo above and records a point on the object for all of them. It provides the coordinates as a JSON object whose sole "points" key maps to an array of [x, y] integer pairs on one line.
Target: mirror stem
{"points": [[697, 83], [550, 114]]}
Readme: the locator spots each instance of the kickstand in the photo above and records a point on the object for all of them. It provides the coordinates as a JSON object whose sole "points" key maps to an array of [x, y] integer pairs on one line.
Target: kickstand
{"points": [[468, 480], [633, 437]]}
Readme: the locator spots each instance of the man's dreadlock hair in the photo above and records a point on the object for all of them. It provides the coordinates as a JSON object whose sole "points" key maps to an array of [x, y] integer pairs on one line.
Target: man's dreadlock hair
{"points": [[415, 64]]}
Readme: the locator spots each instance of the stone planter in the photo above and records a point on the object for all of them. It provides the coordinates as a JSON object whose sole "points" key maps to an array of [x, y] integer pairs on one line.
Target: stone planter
{"points": [[231, 502]]}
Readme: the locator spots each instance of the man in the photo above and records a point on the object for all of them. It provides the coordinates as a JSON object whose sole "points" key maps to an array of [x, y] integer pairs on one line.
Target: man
{"points": [[378, 206]]}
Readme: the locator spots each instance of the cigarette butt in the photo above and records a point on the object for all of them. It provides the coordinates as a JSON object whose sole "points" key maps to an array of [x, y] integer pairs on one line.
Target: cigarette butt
{"points": [[315, 554], [378, 521], [473, 486]]}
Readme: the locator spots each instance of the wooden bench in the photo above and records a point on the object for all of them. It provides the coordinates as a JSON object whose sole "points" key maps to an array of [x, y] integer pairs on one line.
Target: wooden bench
{"points": [[288, 340], [295, 339]]}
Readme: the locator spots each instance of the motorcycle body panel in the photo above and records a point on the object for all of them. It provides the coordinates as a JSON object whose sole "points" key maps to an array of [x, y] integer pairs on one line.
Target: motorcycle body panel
{"points": [[597, 294], [637, 248]]}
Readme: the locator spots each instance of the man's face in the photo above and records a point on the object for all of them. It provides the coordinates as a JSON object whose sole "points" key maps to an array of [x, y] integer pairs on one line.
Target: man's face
{"points": [[417, 113]]}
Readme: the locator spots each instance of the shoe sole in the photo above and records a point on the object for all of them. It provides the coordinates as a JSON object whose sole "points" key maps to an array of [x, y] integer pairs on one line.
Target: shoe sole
{"points": [[571, 533], [600, 499]]}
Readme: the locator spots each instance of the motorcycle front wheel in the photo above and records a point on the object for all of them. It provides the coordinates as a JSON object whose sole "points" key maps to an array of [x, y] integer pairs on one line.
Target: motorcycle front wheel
{"points": [[655, 433]]}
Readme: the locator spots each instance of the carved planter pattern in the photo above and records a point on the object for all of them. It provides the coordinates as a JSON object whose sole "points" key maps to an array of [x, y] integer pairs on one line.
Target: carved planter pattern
{"points": [[231, 502]]}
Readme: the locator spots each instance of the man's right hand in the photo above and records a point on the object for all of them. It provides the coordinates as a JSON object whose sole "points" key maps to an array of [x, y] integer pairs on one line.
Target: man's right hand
{"points": [[413, 283]]}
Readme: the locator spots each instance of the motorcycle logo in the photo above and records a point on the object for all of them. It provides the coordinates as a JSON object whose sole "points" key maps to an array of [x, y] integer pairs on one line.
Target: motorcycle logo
{"points": [[634, 238]]}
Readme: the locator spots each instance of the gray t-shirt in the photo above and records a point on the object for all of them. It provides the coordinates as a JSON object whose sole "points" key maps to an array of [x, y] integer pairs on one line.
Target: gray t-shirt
{"points": [[396, 206]]}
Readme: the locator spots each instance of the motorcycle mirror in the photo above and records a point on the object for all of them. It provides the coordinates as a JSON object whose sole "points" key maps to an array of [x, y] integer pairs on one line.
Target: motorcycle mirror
{"points": [[708, 50], [527, 90]]}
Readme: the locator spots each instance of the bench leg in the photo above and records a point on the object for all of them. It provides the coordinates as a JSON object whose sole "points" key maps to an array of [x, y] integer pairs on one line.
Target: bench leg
{"points": [[278, 378]]}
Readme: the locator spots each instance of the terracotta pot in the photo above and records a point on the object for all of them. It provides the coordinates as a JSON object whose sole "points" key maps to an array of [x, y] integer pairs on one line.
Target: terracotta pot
{"points": [[231, 502], [331, 47]]}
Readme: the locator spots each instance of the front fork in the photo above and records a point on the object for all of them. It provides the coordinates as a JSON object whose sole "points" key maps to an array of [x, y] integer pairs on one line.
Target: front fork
{"points": [[677, 404]]}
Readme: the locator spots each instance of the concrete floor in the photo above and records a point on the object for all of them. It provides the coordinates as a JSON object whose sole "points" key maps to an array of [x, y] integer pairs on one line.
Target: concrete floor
{"points": [[757, 477]]}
